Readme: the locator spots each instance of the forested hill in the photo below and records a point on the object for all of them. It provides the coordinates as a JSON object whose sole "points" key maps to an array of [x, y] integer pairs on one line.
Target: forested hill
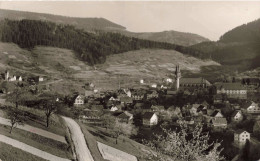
{"points": [[90, 47], [88, 24], [239, 46], [249, 32], [94, 24]]}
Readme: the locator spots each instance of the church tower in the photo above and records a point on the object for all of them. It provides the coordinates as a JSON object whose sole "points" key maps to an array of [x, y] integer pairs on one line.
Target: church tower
{"points": [[6, 75], [177, 77]]}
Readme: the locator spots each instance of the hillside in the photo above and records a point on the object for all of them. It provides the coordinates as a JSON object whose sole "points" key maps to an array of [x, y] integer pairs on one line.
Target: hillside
{"points": [[59, 65], [174, 37], [87, 24], [93, 24], [239, 47], [90, 47]]}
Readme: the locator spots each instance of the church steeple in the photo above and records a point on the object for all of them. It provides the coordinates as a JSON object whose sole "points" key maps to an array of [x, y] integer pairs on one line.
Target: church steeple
{"points": [[177, 76]]}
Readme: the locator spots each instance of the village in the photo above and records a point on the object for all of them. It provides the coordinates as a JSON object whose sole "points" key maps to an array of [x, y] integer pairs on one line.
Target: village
{"points": [[223, 108]]}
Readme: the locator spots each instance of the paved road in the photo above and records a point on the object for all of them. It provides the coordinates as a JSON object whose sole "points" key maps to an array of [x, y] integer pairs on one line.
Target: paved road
{"points": [[35, 130], [82, 151], [30, 149]]}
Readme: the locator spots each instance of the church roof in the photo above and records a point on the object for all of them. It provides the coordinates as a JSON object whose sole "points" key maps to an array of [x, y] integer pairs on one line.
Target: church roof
{"points": [[194, 81], [230, 86]]}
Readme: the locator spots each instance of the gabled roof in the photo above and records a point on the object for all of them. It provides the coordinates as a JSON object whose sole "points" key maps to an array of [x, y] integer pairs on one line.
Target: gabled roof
{"points": [[215, 113], [235, 113], [148, 115], [194, 81], [123, 116], [251, 103], [240, 131], [229, 86], [157, 107], [219, 120]]}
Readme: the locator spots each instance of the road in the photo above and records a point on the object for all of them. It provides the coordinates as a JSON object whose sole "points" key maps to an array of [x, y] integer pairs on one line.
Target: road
{"points": [[35, 130], [30, 149], [82, 151]]}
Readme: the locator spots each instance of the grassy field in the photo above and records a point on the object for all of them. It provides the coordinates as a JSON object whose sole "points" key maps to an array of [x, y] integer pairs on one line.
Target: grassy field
{"points": [[124, 144], [57, 63], [9, 153], [37, 141]]}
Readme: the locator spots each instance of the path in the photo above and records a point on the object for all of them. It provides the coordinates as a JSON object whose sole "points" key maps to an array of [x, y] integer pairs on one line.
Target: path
{"points": [[35, 130], [114, 154], [30, 149], [82, 151]]}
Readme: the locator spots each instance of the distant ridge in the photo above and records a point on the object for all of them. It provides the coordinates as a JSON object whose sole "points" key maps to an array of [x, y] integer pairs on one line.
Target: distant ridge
{"points": [[93, 24], [87, 24]]}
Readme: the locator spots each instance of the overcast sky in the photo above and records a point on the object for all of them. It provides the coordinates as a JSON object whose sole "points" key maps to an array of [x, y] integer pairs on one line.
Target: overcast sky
{"points": [[209, 19]]}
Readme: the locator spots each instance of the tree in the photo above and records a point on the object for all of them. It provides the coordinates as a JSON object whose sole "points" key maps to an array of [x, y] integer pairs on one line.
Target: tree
{"points": [[184, 145], [246, 151], [49, 108], [125, 129], [16, 117], [108, 120]]}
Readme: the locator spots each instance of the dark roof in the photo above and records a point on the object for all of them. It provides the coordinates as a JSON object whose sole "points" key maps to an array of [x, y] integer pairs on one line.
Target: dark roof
{"points": [[234, 113], [194, 81], [246, 105], [219, 120], [123, 116], [230, 86], [239, 131], [126, 99], [157, 107], [251, 80], [148, 115], [214, 113]]}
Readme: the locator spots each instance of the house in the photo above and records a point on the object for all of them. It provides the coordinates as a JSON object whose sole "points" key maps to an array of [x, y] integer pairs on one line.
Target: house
{"points": [[153, 94], [137, 96], [128, 92], [113, 108], [193, 83], [11, 79], [126, 100], [150, 118], [174, 110], [237, 116], [232, 90], [256, 128], [171, 92], [112, 99], [251, 107], [216, 114], [19, 78], [218, 123], [218, 98], [141, 81], [154, 85], [40, 78], [194, 109], [251, 81], [168, 80], [157, 108], [79, 100], [125, 117], [241, 136], [138, 105]]}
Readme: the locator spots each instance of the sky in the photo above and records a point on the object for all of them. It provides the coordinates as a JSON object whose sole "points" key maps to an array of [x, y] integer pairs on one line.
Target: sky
{"points": [[210, 19]]}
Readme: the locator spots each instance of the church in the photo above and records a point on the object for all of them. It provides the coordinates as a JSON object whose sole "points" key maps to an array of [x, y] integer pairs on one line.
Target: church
{"points": [[189, 83]]}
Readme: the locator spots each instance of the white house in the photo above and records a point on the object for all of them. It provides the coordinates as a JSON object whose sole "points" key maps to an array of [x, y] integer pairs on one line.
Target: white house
{"points": [[150, 118], [252, 107], [114, 108], [169, 80], [241, 136], [40, 79], [12, 78], [20, 78], [154, 85], [237, 116], [79, 100], [141, 81], [112, 99]]}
